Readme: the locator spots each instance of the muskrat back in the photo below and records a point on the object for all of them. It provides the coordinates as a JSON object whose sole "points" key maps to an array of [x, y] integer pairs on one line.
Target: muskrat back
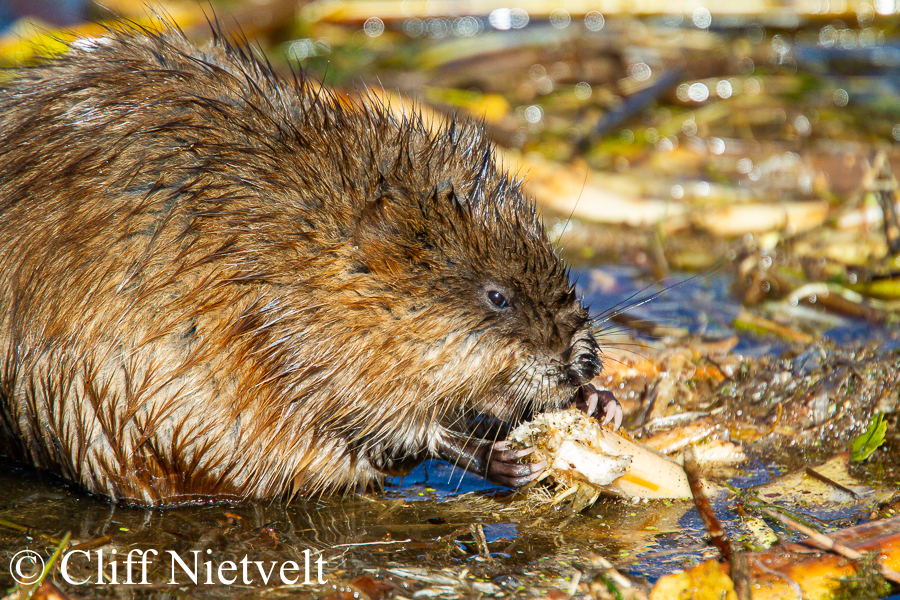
{"points": [[219, 285]]}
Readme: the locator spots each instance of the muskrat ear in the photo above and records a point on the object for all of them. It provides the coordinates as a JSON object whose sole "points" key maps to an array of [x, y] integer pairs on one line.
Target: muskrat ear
{"points": [[445, 197], [454, 198], [374, 218]]}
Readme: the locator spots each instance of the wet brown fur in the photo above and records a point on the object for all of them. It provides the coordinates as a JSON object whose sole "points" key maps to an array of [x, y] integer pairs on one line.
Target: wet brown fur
{"points": [[215, 284]]}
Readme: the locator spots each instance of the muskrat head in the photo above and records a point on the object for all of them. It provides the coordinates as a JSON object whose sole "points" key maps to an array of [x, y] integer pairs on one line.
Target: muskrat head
{"points": [[473, 279]]}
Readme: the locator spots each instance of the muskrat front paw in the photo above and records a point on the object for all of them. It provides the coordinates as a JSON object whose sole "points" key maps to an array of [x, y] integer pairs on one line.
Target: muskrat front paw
{"points": [[505, 469], [497, 462], [600, 404]]}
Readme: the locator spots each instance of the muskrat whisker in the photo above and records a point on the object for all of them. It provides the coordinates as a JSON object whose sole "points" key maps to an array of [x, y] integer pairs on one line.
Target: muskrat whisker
{"points": [[611, 328], [560, 247], [626, 304], [520, 406], [628, 345], [622, 362]]}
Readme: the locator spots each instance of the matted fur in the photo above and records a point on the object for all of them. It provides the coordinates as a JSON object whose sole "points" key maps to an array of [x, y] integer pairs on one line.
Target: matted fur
{"points": [[217, 285]]}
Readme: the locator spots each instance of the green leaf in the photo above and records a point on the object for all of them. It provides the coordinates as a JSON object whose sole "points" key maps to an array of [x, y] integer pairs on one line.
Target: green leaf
{"points": [[865, 444]]}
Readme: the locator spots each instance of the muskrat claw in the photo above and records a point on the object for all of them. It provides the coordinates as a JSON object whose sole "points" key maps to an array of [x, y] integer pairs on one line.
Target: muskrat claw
{"points": [[589, 399]]}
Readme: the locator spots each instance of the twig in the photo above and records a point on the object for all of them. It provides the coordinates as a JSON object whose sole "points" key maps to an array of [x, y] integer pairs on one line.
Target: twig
{"points": [[611, 572], [481, 541], [714, 529], [826, 543], [739, 571], [29, 590], [829, 481], [884, 186], [576, 579], [28, 531]]}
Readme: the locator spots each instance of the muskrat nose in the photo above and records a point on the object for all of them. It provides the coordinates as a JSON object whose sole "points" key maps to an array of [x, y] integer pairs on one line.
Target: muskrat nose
{"points": [[575, 378], [581, 358], [583, 369]]}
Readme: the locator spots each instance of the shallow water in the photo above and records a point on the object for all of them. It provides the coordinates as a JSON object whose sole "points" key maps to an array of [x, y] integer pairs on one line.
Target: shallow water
{"points": [[705, 305]]}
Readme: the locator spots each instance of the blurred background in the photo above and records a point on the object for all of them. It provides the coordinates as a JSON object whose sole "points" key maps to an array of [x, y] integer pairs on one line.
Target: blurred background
{"points": [[732, 161]]}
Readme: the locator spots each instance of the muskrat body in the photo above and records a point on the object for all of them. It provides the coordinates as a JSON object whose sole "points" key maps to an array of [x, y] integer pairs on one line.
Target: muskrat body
{"points": [[217, 285]]}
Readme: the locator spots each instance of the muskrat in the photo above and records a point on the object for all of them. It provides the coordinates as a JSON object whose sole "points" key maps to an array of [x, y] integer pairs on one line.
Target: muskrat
{"points": [[221, 285]]}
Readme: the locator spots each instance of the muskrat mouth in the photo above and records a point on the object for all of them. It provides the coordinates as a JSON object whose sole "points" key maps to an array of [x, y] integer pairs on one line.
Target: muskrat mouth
{"points": [[497, 418], [600, 404]]}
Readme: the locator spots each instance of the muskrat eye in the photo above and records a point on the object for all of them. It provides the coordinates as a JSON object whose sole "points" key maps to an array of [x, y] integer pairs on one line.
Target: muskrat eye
{"points": [[497, 299]]}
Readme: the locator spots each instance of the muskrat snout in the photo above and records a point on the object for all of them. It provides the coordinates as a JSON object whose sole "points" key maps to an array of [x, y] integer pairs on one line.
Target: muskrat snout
{"points": [[585, 363]]}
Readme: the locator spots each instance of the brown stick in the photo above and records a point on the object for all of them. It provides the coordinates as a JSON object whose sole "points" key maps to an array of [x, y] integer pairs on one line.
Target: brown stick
{"points": [[717, 535], [739, 570], [826, 543]]}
